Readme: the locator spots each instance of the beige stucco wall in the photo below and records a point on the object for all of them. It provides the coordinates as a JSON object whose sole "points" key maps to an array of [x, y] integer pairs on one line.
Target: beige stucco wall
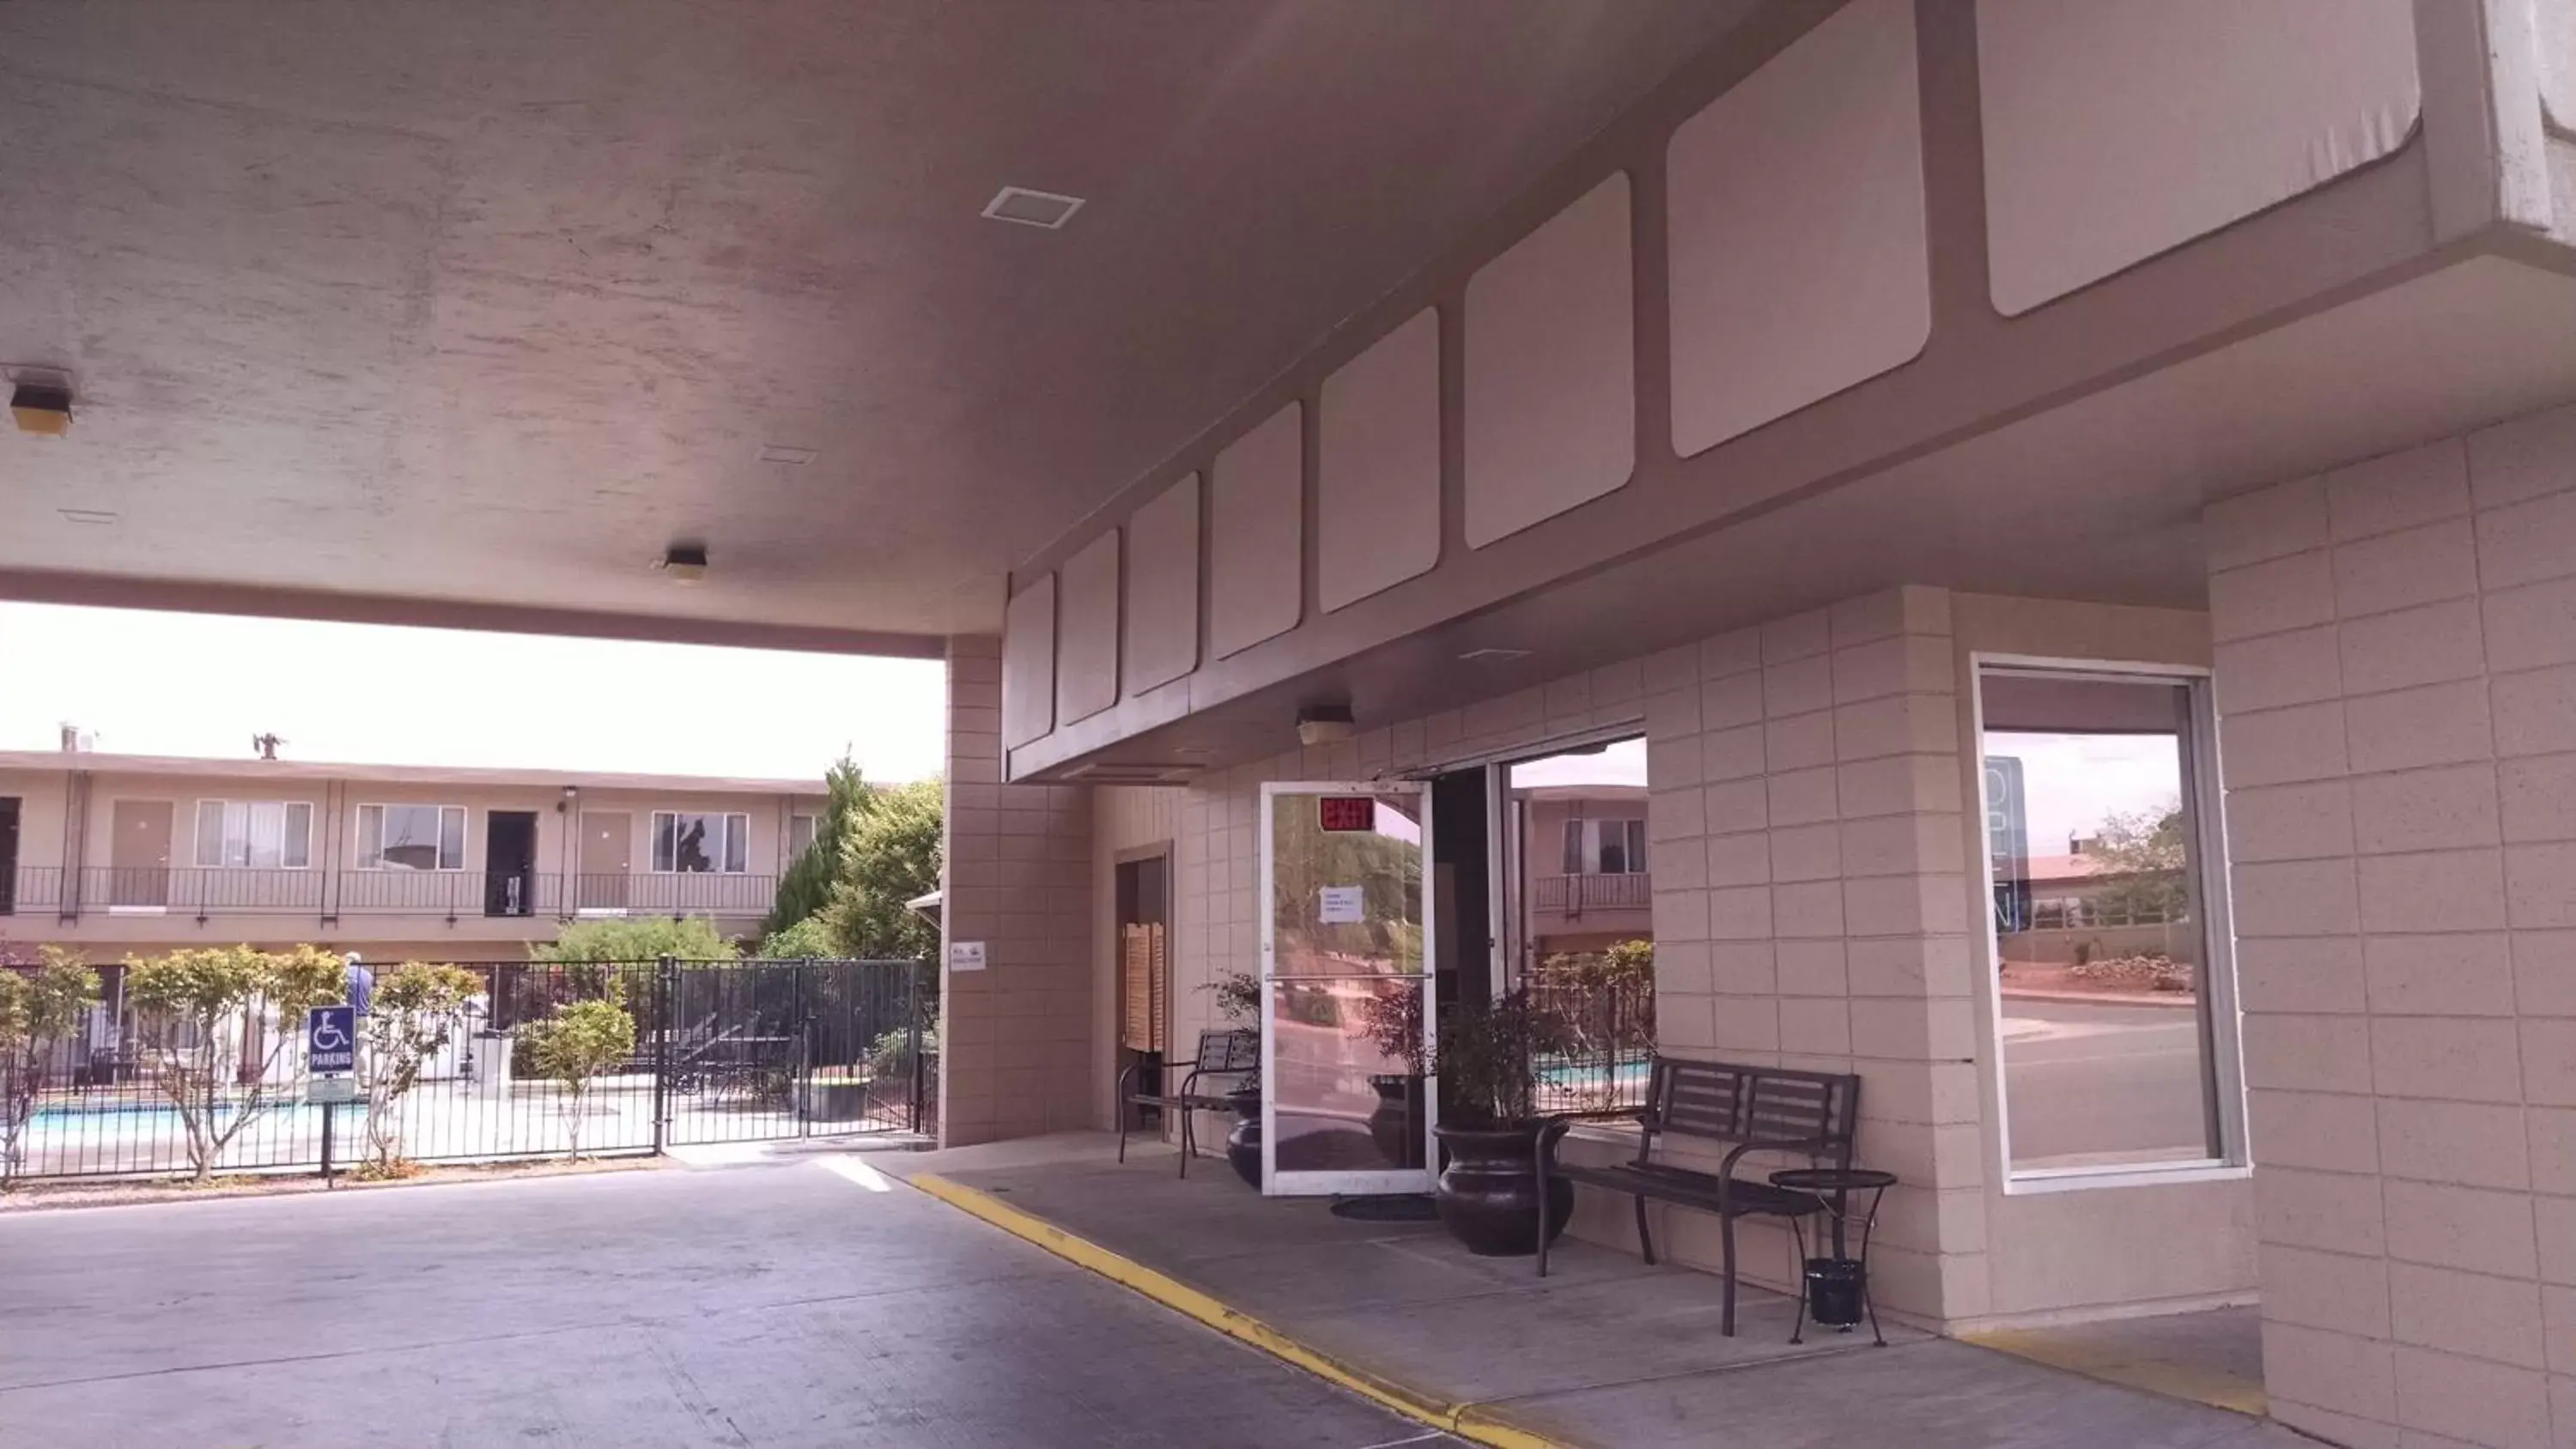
{"points": [[1811, 822], [2396, 654], [375, 930]]}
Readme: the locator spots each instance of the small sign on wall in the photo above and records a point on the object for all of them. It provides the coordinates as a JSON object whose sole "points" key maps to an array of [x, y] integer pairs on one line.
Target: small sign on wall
{"points": [[965, 955]]}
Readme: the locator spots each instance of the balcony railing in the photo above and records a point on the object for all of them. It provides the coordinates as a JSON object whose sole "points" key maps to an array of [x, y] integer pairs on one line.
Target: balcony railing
{"points": [[451, 894], [1572, 895]]}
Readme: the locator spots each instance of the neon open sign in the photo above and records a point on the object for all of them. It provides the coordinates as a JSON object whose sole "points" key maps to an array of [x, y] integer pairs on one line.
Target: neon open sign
{"points": [[1347, 812]]}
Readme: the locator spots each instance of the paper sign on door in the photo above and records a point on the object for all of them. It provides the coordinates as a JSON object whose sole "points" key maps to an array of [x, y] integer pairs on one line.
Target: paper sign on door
{"points": [[1344, 905]]}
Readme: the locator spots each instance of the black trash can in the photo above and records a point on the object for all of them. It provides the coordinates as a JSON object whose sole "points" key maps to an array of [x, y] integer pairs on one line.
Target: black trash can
{"points": [[1836, 1291]]}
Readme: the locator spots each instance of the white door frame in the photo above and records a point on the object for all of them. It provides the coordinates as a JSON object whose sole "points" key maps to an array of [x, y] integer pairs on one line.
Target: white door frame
{"points": [[1275, 1183]]}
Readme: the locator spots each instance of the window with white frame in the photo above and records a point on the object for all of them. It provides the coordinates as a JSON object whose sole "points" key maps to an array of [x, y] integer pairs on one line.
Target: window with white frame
{"points": [[800, 834], [1605, 847], [2113, 980], [411, 837], [254, 834], [688, 842]]}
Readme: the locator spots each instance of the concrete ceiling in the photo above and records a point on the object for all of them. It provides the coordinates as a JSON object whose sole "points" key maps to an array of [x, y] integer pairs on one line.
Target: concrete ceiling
{"points": [[485, 302]]}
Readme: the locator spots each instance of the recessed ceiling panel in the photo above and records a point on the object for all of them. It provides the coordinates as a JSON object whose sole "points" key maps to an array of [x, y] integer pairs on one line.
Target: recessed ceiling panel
{"points": [[1256, 534], [1086, 666], [1377, 466], [2118, 129], [1028, 663], [1163, 588], [1551, 364], [1795, 213]]}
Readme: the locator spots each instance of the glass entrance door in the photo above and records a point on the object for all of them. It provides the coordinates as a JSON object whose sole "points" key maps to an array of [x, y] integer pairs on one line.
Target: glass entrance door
{"points": [[1346, 1001]]}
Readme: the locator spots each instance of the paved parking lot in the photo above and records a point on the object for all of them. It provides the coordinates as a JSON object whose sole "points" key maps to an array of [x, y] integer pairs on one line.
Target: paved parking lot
{"points": [[783, 1304]]}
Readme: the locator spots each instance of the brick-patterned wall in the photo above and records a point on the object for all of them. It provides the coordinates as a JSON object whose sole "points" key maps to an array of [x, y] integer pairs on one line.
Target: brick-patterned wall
{"points": [[2396, 654], [1017, 1051], [1811, 904]]}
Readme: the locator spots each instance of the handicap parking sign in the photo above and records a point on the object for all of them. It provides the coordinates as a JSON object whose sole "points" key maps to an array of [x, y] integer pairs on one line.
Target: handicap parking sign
{"points": [[331, 1039]]}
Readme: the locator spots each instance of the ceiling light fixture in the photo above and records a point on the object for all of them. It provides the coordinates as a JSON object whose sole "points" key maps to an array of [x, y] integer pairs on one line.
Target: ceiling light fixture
{"points": [[42, 407], [1492, 655], [793, 457], [86, 515], [1045, 209], [686, 563]]}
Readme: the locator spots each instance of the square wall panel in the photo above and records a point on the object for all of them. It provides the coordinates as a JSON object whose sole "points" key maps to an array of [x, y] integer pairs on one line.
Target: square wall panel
{"points": [[1163, 588], [1377, 466], [2118, 129], [1028, 663], [1256, 534], [1086, 666], [1795, 217], [1551, 364]]}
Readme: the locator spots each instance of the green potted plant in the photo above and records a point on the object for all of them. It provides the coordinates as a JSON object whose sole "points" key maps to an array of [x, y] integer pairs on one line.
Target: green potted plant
{"points": [[1488, 1192], [1238, 1002]]}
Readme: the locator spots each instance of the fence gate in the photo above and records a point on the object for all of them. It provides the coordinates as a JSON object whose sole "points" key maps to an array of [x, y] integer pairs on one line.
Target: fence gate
{"points": [[758, 1050]]}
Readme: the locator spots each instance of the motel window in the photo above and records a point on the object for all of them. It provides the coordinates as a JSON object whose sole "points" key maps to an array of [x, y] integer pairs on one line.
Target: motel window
{"points": [[411, 837], [1605, 847], [800, 834], [2112, 977], [254, 834], [687, 842]]}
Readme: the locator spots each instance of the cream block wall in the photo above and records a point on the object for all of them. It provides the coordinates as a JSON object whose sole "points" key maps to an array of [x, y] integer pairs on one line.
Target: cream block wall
{"points": [[1815, 907], [1016, 1050], [2396, 652]]}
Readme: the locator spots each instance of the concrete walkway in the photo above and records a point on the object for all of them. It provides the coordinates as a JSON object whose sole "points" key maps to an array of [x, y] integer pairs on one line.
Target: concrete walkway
{"points": [[1604, 1352], [810, 1304]]}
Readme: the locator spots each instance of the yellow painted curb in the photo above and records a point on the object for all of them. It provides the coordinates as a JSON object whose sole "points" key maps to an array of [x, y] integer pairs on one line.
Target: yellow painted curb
{"points": [[2217, 1389], [1467, 1421]]}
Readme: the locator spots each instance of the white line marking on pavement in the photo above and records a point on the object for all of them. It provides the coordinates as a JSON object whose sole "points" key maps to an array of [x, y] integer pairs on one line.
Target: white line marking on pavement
{"points": [[856, 1171]]}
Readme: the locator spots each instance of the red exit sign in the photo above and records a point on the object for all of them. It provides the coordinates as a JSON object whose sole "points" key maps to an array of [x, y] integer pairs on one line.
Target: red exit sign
{"points": [[1347, 812]]}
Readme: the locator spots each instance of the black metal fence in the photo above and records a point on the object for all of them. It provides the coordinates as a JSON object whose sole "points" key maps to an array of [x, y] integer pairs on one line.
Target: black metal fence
{"points": [[1605, 1035], [724, 1051]]}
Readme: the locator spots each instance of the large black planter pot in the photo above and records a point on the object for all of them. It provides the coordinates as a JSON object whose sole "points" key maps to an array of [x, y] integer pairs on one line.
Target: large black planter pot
{"points": [[1488, 1195], [1396, 1126], [1243, 1143]]}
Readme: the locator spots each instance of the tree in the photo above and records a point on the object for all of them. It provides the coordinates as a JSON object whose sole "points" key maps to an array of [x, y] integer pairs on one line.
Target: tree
{"points": [[638, 938], [40, 1007], [805, 887], [220, 1019], [576, 1044], [809, 937], [890, 856], [411, 1015], [2143, 879]]}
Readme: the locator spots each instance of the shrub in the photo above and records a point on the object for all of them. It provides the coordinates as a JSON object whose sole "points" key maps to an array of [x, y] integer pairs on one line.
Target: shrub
{"points": [[411, 1016], [576, 1044], [200, 1011], [40, 1007]]}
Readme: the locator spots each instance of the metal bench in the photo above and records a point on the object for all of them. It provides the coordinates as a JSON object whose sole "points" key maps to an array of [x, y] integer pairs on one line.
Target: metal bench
{"points": [[1758, 1109], [1221, 1054]]}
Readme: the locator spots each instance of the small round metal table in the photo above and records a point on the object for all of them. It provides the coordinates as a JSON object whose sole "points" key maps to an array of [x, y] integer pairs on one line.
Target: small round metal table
{"points": [[1832, 1188]]}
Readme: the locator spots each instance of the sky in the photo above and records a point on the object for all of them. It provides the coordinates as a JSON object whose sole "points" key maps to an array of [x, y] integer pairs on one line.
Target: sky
{"points": [[203, 685]]}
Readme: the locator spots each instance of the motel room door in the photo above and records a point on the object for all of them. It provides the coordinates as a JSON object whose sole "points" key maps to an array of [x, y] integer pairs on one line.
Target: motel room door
{"points": [[1346, 947]]}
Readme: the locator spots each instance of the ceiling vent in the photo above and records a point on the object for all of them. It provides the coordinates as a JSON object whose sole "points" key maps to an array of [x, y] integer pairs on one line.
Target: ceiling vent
{"points": [[1492, 656], [1113, 772], [1032, 208], [792, 456]]}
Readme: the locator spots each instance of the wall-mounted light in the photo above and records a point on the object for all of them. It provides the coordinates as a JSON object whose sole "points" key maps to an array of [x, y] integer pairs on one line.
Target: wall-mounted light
{"points": [[685, 563], [1325, 724], [41, 407]]}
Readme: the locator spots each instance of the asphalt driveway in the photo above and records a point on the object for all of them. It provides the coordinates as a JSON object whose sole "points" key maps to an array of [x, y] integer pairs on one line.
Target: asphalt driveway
{"points": [[786, 1304]]}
